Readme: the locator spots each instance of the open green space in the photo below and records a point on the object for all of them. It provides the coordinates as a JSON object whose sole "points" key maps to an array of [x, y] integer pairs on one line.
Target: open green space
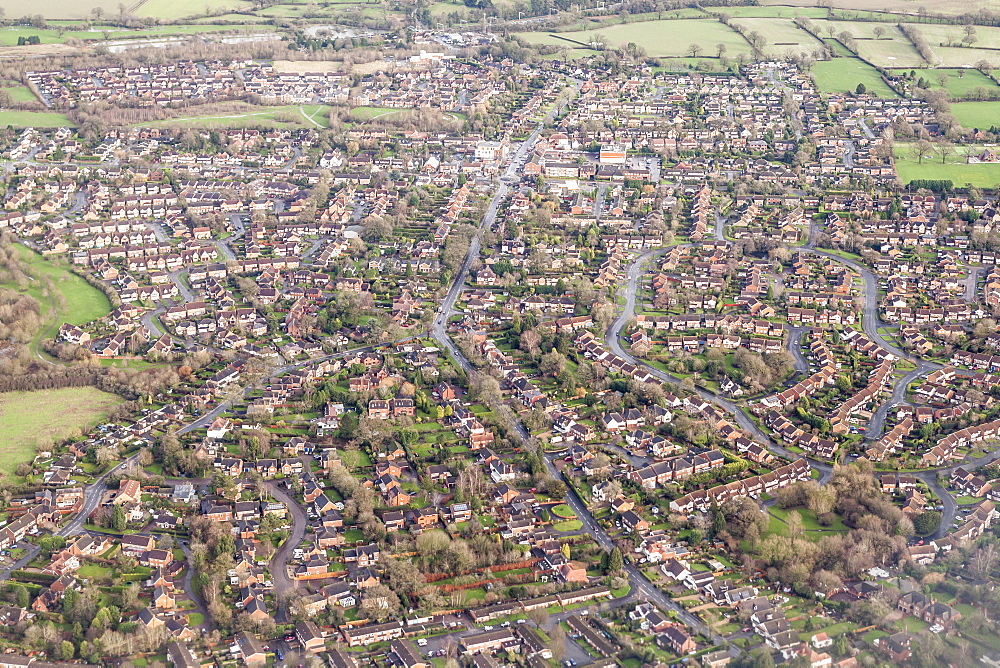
{"points": [[842, 75], [31, 418], [955, 167], [84, 302], [982, 115], [961, 82], [288, 116], [809, 522], [61, 34], [170, 10], [667, 38], [568, 525], [19, 93], [563, 511], [780, 34], [58, 9], [36, 119]]}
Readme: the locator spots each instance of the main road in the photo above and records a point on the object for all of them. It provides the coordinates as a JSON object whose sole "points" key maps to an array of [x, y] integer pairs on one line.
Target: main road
{"points": [[440, 325]]}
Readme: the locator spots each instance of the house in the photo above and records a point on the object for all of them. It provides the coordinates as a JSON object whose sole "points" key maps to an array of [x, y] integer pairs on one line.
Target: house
{"points": [[249, 649], [402, 654], [676, 640], [309, 636]]}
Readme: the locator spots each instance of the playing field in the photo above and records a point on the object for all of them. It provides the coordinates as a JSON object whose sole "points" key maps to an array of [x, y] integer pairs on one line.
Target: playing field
{"points": [[842, 75], [668, 38], [170, 10], [955, 168], [982, 115], [30, 418], [780, 34]]}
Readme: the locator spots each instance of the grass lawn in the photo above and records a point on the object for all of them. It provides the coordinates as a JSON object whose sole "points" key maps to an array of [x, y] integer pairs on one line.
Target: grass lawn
{"points": [[976, 114], [196, 619], [562, 510], [568, 525], [37, 119], [93, 571], [842, 75], [809, 521], [668, 38], [908, 167], [912, 624], [353, 535], [353, 459], [29, 418]]}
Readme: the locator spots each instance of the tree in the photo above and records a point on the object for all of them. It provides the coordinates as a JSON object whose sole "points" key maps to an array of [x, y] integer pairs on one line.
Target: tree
{"points": [[927, 522], [720, 50], [878, 31], [118, 519], [615, 561], [921, 147], [861, 89], [694, 50], [557, 642], [379, 603]]}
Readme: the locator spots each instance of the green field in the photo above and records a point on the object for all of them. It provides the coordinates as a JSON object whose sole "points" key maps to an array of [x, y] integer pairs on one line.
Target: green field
{"points": [[57, 9], [84, 302], [563, 511], [9, 36], [170, 10], [960, 82], [309, 115], [19, 93], [955, 168], [781, 35], [667, 38], [976, 114], [29, 418], [769, 12], [842, 75], [38, 119], [901, 6]]}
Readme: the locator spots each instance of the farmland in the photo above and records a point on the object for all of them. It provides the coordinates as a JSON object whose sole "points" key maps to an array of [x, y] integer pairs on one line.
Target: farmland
{"points": [[842, 75], [58, 9], [668, 38], [781, 35], [976, 114], [169, 10], [28, 419], [960, 82], [955, 168], [38, 119]]}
